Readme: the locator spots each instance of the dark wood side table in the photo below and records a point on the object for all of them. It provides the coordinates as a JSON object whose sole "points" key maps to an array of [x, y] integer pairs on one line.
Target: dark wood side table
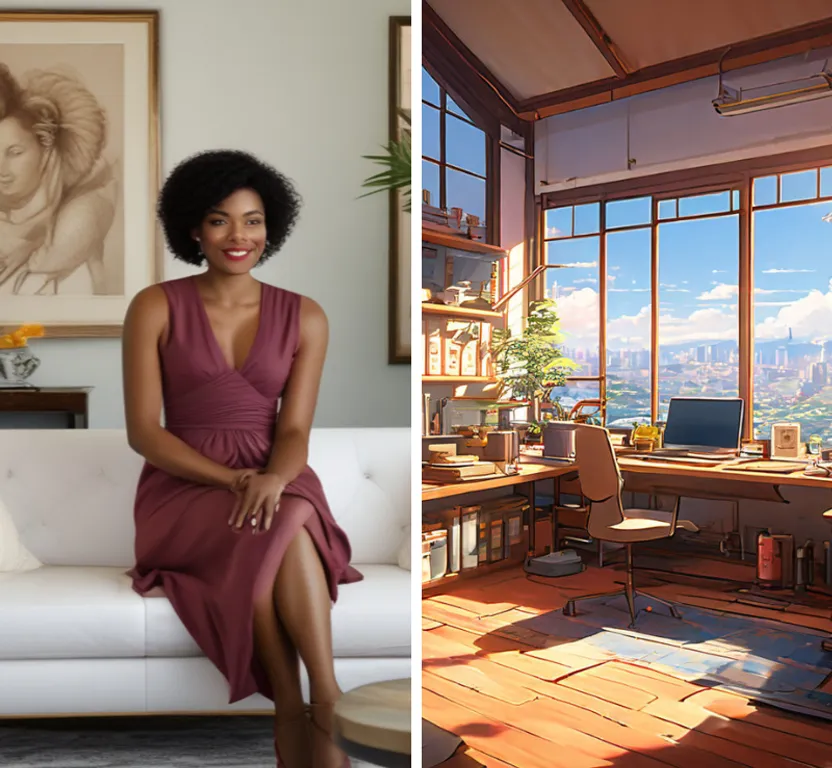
{"points": [[70, 403]]}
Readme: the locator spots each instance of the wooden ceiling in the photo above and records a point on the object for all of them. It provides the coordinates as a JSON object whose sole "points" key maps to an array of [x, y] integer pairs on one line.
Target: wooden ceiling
{"points": [[556, 56]]}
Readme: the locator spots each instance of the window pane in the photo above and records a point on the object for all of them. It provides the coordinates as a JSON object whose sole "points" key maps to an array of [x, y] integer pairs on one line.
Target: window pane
{"points": [[700, 205], [667, 209], [430, 132], [798, 186], [792, 296], [575, 290], [430, 88], [826, 182], [698, 287], [430, 182], [628, 327], [466, 192], [464, 146], [735, 200], [587, 219], [559, 222], [628, 213], [452, 106], [765, 191]]}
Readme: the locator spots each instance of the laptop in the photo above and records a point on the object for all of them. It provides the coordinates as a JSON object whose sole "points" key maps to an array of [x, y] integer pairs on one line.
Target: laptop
{"points": [[697, 426]]}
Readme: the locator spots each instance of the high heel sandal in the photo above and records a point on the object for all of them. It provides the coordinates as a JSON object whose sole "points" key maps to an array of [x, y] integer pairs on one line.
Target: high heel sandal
{"points": [[327, 732], [302, 715]]}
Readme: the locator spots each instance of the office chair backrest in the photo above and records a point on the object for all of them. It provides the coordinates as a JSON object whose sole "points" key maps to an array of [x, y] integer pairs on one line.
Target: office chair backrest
{"points": [[600, 479]]}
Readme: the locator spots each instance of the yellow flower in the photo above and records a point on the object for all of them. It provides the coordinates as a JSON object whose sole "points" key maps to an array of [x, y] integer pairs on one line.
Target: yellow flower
{"points": [[17, 339]]}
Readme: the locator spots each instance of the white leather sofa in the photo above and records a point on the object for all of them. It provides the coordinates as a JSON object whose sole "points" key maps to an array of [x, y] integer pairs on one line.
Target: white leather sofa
{"points": [[75, 637]]}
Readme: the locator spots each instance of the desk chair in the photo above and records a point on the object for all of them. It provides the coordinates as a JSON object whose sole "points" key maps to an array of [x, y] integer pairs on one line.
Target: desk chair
{"points": [[602, 484]]}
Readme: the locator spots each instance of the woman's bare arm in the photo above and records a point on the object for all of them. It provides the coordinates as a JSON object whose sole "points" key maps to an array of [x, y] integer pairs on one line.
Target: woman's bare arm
{"points": [[300, 397], [144, 325]]}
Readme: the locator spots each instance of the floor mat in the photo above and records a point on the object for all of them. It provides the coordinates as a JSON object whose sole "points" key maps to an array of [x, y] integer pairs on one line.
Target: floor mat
{"points": [[779, 664]]}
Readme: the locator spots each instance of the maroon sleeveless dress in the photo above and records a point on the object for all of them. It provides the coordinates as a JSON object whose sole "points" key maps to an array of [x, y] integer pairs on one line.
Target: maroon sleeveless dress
{"points": [[184, 544]]}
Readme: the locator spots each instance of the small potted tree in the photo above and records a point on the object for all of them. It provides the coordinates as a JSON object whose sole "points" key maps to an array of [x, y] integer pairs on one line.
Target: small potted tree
{"points": [[529, 366]]}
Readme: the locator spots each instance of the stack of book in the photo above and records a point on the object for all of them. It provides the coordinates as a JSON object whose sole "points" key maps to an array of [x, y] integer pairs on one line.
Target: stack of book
{"points": [[454, 472]]}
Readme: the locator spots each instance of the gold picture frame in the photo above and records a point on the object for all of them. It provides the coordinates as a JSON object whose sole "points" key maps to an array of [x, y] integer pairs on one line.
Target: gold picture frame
{"points": [[400, 281], [78, 232]]}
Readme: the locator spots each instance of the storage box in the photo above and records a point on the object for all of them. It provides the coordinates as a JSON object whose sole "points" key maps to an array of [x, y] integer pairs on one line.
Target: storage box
{"points": [[455, 346], [435, 545], [450, 521]]}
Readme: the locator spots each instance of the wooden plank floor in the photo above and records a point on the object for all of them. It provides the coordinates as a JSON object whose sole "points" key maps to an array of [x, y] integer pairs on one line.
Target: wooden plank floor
{"points": [[492, 684]]}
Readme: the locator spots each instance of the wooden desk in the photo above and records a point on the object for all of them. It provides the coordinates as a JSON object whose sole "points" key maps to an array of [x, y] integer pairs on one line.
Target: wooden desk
{"points": [[529, 473], [721, 481]]}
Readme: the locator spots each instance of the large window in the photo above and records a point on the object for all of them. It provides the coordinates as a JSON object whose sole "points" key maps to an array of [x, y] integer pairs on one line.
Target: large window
{"points": [[453, 153], [626, 254], [793, 302], [702, 294]]}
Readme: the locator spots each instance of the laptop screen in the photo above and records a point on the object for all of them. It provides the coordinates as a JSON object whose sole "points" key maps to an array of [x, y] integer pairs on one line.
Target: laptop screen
{"points": [[706, 422]]}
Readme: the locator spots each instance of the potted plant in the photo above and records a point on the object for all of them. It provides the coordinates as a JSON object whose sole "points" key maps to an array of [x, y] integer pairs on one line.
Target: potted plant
{"points": [[397, 165], [529, 366]]}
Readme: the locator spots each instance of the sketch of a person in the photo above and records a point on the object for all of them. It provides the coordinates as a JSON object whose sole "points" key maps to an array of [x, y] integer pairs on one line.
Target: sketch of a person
{"points": [[57, 192]]}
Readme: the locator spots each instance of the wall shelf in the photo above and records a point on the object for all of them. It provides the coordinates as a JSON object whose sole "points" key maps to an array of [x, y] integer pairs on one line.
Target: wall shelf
{"points": [[458, 379], [462, 243], [451, 311]]}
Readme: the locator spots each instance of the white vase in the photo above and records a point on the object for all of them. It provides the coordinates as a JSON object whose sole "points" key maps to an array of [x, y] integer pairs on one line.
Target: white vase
{"points": [[17, 365]]}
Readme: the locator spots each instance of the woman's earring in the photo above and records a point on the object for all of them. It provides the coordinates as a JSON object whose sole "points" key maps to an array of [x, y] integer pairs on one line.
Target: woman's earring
{"points": [[199, 248]]}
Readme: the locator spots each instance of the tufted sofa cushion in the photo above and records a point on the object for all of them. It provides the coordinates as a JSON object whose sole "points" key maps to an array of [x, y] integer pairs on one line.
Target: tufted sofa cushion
{"points": [[67, 612], [70, 492]]}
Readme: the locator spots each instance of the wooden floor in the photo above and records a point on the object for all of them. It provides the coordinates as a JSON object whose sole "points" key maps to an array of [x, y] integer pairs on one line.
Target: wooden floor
{"points": [[492, 684]]}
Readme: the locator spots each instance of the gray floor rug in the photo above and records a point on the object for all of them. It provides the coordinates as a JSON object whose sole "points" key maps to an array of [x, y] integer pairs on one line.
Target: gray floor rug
{"points": [[141, 742]]}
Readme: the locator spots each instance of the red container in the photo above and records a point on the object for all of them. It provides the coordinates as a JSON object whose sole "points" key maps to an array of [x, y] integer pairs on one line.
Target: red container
{"points": [[775, 560]]}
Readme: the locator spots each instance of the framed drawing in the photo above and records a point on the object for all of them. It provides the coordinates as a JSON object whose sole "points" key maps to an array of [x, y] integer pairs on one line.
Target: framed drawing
{"points": [[400, 102], [79, 168]]}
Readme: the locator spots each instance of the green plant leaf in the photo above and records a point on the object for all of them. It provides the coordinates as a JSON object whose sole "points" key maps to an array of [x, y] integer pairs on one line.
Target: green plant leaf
{"points": [[397, 163]]}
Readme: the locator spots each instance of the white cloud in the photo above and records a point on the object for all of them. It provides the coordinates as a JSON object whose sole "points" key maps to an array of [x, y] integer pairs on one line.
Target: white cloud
{"points": [[611, 278], [773, 303], [779, 290], [591, 280], [579, 317], [616, 268], [628, 290], [553, 232], [677, 290], [582, 264], [722, 292], [808, 317], [719, 272], [777, 271]]}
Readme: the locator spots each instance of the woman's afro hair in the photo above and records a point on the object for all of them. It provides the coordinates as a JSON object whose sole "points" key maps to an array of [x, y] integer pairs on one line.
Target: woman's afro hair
{"points": [[204, 180]]}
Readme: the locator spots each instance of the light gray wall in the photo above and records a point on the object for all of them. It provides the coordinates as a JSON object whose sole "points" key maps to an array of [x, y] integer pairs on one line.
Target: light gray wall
{"points": [[304, 86]]}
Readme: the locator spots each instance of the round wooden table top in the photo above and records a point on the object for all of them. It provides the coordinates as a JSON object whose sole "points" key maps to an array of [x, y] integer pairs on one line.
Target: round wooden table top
{"points": [[377, 716]]}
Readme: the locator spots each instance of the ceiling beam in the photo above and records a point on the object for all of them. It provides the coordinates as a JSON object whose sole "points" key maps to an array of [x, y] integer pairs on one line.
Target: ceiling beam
{"points": [[759, 50], [599, 37], [465, 74]]}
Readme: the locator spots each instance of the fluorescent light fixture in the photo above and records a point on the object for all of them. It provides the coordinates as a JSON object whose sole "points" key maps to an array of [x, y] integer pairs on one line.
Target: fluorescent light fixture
{"points": [[736, 101]]}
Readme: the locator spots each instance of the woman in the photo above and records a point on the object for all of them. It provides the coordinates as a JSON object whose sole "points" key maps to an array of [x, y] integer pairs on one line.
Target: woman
{"points": [[230, 520]]}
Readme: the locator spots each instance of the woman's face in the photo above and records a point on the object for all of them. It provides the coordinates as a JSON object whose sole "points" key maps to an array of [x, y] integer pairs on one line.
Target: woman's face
{"points": [[233, 233], [20, 162]]}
